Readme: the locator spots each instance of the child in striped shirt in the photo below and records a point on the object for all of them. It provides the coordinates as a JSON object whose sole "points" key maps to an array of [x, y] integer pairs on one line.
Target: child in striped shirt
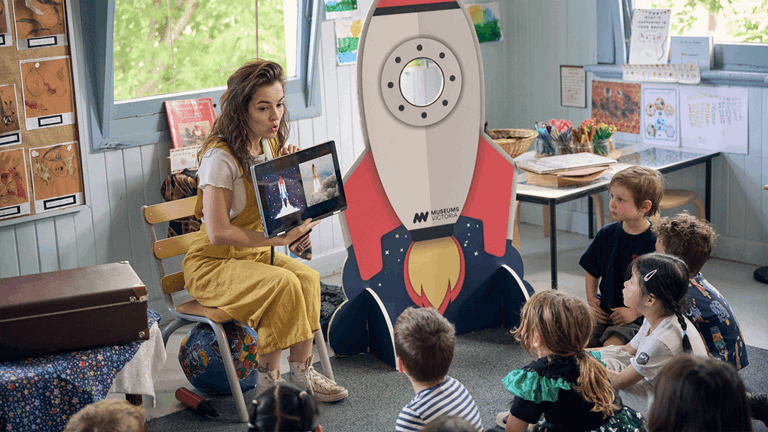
{"points": [[424, 342]]}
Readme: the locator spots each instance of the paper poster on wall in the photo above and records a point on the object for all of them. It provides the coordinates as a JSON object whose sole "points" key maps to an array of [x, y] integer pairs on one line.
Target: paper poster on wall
{"points": [[14, 197], [5, 24], [47, 92], [617, 104], [10, 131], [335, 9], [715, 118], [660, 113], [347, 39], [56, 176], [487, 21], [39, 23], [650, 36]]}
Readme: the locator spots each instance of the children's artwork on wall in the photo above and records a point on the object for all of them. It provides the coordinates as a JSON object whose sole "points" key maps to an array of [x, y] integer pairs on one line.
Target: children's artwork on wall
{"points": [[319, 180], [335, 9], [39, 23], [347, 39], [617, 104], [660, 114], [56, 176], [5, 24], [14, 196], [487, 21], [47, 92], [430, 200], [10, 131], [715, 118]]}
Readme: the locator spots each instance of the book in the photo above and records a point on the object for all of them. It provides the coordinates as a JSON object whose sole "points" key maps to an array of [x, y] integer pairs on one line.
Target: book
{"points": [[567, 162], [650, 36], [566, 178], [189, 120], [692, 49]]}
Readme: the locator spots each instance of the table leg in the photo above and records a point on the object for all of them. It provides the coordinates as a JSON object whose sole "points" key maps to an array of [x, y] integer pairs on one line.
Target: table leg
{"points": [[708, 191], [590, 205], [553, 244]]}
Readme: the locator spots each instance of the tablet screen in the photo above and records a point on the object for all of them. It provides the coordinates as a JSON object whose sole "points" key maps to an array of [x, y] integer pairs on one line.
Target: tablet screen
{"points": [[295, 187]]}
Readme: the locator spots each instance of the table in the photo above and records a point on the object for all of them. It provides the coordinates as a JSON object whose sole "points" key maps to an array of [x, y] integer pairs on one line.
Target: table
{"points": [[665, 159], [42, 393]]}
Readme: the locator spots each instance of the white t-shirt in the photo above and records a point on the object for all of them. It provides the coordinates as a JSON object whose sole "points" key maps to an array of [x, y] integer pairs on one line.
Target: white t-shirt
{"points": [[220, 169], [665, 342]]}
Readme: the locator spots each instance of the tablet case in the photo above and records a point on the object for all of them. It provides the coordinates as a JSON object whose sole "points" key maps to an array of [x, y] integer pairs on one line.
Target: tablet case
{"points": [[70, 310]]}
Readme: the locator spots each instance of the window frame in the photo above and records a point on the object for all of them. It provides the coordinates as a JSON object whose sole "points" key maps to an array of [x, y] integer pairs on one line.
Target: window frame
{"points": [[113, 125]]}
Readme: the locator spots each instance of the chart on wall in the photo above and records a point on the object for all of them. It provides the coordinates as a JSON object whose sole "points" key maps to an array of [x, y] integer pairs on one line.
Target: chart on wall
{"points": [[10, 131], [5, 24], [715, 118], [617, 104], [56, 176], [39, 23], [14, 199], [47, 92], [660, 114]]}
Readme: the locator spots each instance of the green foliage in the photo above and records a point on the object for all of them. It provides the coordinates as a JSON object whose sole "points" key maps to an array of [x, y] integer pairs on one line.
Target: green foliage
{"points": [[166, 46], [748, 25]]}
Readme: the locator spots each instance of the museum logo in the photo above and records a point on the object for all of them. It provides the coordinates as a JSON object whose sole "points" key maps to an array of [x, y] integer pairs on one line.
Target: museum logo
{"points": [[437, 215]]}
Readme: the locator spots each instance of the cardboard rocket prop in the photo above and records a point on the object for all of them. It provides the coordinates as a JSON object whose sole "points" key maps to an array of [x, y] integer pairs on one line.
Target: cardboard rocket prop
{"points": [[431, 198]]}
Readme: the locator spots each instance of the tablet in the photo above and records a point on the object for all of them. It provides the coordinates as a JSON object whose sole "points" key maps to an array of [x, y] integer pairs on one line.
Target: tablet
{"points": [[295, 187]]}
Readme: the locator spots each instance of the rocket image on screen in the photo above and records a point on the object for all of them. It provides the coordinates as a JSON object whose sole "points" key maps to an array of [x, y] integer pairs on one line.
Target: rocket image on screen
{"points": [[319, 178], [284, 193]]}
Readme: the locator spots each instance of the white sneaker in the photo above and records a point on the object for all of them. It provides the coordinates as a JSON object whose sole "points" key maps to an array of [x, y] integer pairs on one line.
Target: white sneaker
{"points": [[501, 419], [267, 379], [324, 388]]}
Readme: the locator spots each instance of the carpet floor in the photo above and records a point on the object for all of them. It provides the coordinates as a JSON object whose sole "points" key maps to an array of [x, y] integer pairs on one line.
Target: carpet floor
{"points": [[377, 392]]}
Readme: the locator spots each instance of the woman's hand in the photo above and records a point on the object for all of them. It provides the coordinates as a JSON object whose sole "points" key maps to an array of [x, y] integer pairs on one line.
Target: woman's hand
{"points": [[290, 148], [298, 232]]}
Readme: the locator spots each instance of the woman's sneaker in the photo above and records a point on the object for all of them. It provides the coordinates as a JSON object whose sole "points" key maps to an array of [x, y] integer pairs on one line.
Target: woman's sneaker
{"points": [[267, 379], [324, 388]]}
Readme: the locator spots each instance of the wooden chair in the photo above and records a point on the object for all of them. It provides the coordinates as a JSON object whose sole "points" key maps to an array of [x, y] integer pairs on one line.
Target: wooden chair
{"points": [[191, 311]]}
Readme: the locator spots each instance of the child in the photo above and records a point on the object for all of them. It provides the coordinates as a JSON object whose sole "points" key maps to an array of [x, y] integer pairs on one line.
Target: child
{"points": [[108, 415], [424, 342], [691, 240], [635, 194], [657, 291], [699, 394], [567, 386], [284, 407]]}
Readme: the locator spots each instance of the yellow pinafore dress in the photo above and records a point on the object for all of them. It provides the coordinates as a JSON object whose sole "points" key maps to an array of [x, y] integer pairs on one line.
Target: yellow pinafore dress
{"points": [[280, 301]]}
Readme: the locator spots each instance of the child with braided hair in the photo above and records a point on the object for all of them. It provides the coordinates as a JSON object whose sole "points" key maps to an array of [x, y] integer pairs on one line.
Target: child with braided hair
{"points": [[284, 407], [564, 389], [658, 290]]}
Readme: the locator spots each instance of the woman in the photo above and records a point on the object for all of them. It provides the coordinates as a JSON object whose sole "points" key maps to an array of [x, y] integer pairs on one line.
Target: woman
{"points": [[228, 264]]}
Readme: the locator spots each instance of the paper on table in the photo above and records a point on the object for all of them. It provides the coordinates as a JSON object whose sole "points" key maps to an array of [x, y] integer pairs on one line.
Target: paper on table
{"points": [[714, 118], [564, 162]]}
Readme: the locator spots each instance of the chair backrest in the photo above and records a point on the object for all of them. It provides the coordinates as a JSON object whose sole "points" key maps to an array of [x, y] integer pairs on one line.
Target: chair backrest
{"points": [[169, 247]]}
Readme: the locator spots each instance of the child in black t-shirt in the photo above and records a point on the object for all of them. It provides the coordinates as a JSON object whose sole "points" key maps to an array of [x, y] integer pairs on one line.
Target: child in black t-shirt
{"points": [[635, 194]]}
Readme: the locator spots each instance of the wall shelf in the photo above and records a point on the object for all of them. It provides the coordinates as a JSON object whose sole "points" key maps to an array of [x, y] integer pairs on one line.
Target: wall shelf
{"points": [[714, 77]]}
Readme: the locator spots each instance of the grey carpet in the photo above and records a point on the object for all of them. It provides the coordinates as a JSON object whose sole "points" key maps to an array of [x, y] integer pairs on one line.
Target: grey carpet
{"points": [[377, 392]]}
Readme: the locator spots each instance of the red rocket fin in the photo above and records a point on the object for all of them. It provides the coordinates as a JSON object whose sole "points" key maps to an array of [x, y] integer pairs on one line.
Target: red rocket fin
{"points": [[398, 3], [369, 216], [490, 195]]}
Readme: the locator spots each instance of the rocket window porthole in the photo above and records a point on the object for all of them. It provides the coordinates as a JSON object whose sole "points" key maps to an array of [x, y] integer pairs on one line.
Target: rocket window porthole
{"points": [[421, 82]]}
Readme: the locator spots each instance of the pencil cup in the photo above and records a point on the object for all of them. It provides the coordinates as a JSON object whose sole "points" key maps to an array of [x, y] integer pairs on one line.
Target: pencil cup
{"points": [[544, 148], [602, 147]]}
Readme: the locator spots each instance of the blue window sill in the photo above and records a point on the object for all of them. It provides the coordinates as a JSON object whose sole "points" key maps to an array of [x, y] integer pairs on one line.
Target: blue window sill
{"points": [[715, 77]]}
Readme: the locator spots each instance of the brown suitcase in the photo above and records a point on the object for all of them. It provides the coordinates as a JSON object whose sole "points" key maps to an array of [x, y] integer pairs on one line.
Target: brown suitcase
{"points": [[70, 310]]}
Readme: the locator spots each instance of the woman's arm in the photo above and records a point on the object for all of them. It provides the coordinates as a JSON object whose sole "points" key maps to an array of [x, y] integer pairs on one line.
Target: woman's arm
{"points": [[217, 203], [625, 378]]}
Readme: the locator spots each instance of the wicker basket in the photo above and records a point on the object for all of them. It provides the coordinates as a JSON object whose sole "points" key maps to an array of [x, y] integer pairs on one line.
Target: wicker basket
{"points": [[514, 141]]}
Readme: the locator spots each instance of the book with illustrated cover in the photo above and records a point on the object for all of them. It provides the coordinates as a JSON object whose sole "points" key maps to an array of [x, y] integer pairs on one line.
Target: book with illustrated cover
{"points": [[189, 121], [650, 36]]}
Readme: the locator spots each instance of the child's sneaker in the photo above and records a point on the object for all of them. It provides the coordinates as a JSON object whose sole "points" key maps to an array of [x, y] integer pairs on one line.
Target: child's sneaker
{"points": [[324, 388], [501, 419], [267, 379]]}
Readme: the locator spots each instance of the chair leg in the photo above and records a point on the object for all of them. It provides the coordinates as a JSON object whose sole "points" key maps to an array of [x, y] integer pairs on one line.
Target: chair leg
{"points": [[322, 350], [516, 229], [701, 213], [172, 327], [545, 216], [229, 366]]}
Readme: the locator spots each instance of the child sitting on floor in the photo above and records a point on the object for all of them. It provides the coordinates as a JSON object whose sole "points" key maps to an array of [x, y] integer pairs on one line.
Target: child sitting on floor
{"points": [[635, 194], [691, 240], [284, 407], [424, 342], [108, 415], [565, 384], [657, 290]]}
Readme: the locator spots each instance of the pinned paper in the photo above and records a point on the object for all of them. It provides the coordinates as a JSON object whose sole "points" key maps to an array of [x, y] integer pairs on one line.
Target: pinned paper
{"points": [[685, 73], [486, 19], [335, 9], [660, 114], [347, 39], [715, 118]]}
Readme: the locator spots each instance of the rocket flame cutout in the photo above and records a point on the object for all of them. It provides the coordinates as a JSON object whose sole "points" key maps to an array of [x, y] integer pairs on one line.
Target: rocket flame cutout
{"points": [[434, 272]]}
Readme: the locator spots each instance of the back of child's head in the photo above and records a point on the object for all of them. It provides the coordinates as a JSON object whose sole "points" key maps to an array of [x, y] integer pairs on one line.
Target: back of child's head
{"points": [[665, 277], [108, 415], [283, 407], [688, 238], [699, 394], [644, 183], [424, 341], [449, 423], [564, 324]]}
